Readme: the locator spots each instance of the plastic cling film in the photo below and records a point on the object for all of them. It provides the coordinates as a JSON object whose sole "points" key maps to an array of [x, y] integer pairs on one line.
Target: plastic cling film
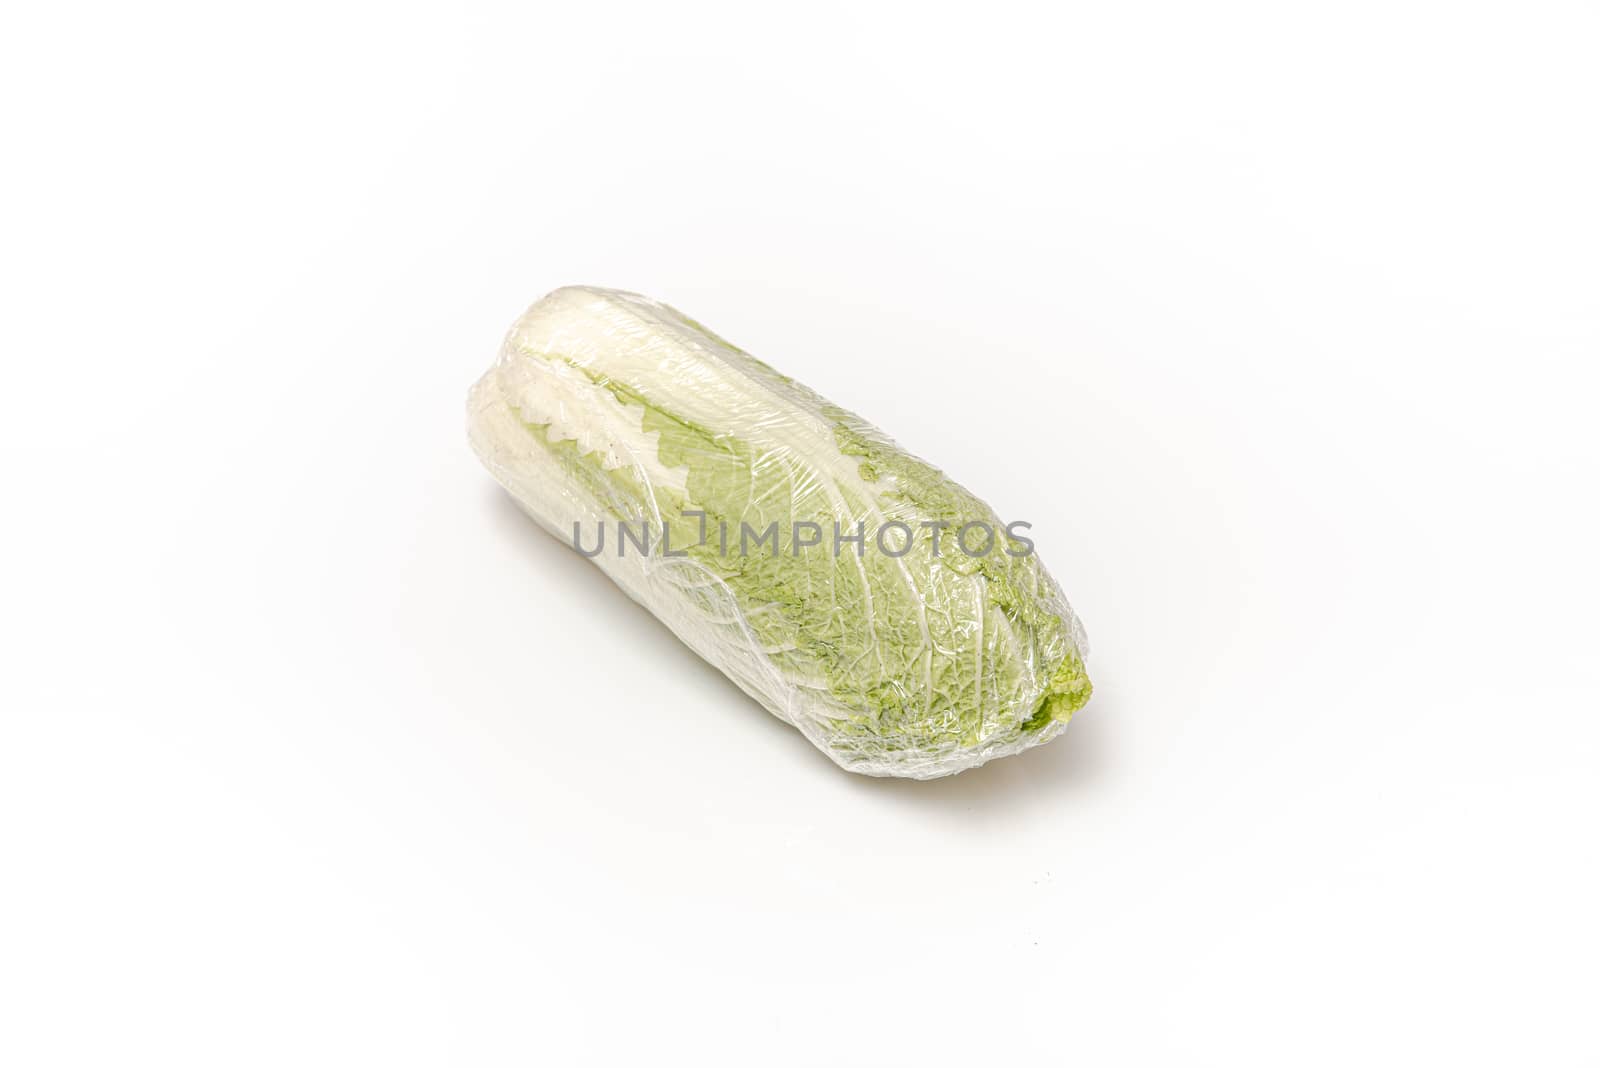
{"points": [[851, 589]]}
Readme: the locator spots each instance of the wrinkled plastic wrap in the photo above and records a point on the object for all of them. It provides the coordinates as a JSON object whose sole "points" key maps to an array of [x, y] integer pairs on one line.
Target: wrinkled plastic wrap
{"points": [[785, 540]]}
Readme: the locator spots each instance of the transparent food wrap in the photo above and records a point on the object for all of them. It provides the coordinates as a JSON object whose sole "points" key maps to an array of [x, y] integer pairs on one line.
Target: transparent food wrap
{"points": [[854, 591]]}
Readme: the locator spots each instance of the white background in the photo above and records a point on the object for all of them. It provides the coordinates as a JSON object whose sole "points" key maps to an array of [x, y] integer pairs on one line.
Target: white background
{"points": [[1279, 322]]}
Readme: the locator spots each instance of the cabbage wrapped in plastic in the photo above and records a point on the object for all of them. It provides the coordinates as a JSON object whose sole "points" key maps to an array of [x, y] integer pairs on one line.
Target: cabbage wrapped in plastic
{"points": [[853, 590]]}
